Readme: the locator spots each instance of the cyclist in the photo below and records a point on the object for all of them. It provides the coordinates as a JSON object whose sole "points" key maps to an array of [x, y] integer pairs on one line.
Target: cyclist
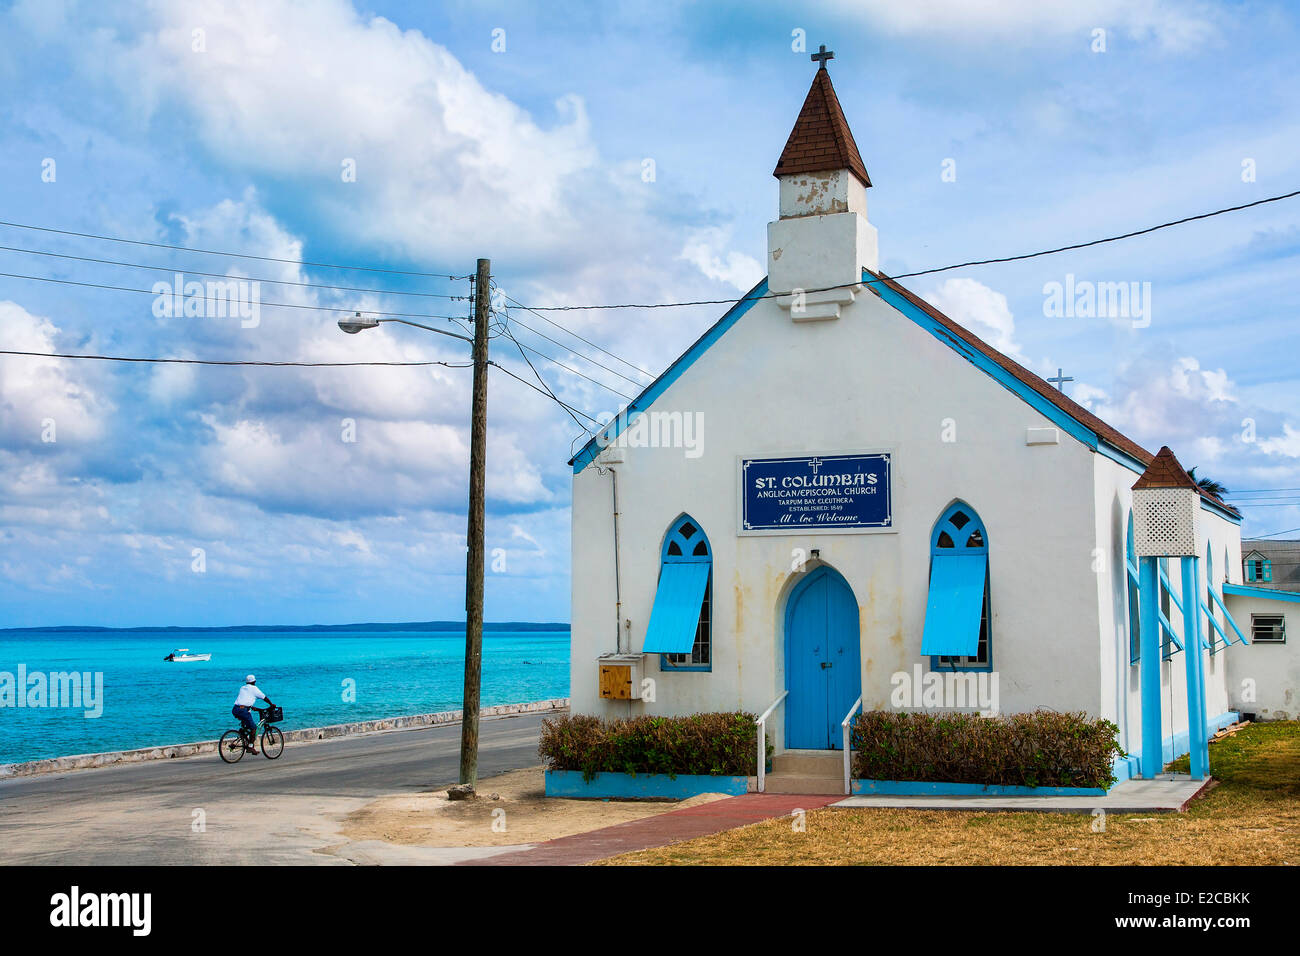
{"points": [[243, 708]]}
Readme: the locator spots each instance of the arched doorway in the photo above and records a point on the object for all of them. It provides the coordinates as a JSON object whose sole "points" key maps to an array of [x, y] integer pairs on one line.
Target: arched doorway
{"points": [[823, 670]]}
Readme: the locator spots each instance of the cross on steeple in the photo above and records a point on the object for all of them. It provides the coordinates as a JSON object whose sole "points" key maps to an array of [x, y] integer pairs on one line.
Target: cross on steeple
{"points": [[821, 56], [1059, 380]]}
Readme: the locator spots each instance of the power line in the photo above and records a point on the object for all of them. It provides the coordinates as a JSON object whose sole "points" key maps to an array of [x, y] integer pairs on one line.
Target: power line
{"points": [[541, 381], [210, 298], [1252, 491], [220, 275], [924, 272], [182, 361], [579, 337], [185, 361], [630, 381], [1273, 535], [549, 394], [232, 255], [313, 285], [573, 370]]}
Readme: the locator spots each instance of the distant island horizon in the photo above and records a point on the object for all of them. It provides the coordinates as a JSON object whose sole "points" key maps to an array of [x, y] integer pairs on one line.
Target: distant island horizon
{"points": [[430, 626]]}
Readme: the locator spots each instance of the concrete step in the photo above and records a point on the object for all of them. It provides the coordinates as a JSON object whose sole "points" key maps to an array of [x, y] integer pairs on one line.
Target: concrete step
{"points": [[817, 763], [804, 783]]}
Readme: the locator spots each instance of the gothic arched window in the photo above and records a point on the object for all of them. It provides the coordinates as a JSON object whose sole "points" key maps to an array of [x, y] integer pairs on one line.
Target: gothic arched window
{"points": [[958, 611], [681, 621]]}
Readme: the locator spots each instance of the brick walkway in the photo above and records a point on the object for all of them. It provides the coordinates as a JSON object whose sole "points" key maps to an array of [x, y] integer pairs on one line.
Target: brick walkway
{"points": [[671, 827]]}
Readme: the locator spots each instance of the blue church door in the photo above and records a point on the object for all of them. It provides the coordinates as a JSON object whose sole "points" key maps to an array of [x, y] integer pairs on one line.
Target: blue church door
{"points": [[822, 660]]}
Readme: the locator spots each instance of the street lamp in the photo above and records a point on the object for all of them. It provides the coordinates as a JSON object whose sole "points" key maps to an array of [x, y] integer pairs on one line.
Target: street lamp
{"points": [[359, 322], [354, 325], [475, 531]]}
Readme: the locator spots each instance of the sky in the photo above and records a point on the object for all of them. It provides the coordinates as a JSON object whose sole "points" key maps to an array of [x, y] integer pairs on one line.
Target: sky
{"points": [[596, 153]]}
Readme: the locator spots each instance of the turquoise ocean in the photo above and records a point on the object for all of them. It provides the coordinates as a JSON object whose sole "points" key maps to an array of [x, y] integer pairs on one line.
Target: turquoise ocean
{"points": [[148, 701]]}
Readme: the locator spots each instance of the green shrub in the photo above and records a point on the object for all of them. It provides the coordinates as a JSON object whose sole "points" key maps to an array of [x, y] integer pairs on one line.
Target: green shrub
{"points": [[1039, 749], [720, 744]]}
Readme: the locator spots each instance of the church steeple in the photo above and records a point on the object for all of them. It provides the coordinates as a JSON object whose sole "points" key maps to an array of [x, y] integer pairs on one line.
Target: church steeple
{"points": [[821, 140], [822, 239]]}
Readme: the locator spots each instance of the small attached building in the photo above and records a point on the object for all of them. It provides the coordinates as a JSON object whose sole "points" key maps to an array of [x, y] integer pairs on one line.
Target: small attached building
{"points": [[838, 490], [1264, 682]]}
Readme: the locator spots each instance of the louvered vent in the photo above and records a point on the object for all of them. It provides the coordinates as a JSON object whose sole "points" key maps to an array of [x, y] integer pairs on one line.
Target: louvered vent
{"points": [[1164, 522]]}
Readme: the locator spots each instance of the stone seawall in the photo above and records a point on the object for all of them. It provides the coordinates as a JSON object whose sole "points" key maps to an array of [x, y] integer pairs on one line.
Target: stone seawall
{"points": [[85, 761]]}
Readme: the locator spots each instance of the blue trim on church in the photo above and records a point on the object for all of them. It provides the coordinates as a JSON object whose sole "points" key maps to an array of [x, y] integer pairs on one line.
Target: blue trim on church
{"points": [[921, 788], [643, 786], [1048, 410], [675, 371], [1129, 766], [1054, 413]]}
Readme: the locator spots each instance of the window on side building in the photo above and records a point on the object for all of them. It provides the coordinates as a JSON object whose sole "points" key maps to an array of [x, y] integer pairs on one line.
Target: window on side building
{"points": [[1257, 568], [1267, 629]]}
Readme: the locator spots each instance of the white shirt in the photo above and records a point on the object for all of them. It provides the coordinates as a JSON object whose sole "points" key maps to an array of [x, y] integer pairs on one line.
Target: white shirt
{"points": [[247, 694]]}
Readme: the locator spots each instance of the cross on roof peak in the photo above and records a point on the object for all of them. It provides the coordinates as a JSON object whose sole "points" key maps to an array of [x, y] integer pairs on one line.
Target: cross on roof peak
{"points": [[1060, 379], [821, 56]]}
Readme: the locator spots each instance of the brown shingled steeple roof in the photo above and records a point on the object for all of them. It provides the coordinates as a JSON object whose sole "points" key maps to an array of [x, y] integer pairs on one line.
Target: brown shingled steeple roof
{"points": [[1165, 472], [821, 140]]}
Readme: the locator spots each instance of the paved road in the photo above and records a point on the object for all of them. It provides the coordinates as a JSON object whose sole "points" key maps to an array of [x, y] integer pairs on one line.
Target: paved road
{"points": [[257, 811]]}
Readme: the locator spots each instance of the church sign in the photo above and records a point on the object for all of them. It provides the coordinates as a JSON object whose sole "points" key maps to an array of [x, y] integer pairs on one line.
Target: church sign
{"points": [[816, 493]]}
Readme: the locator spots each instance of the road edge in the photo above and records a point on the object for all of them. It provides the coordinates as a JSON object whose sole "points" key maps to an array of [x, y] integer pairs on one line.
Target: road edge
{"points": [[32, 768]]}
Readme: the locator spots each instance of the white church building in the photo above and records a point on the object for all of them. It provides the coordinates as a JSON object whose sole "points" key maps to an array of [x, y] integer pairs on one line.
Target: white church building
{"points": [[871, 494]]}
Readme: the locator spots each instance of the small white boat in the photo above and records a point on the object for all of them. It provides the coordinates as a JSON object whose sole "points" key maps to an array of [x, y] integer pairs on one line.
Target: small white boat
{"points": [[183, 655]]}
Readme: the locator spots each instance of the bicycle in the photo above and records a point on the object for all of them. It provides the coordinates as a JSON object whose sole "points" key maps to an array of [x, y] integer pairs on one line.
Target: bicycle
{"points": [[235, 743]]}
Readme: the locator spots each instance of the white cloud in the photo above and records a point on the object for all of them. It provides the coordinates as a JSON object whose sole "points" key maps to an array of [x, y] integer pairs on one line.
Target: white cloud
{"points": [[302, 464], [517, 531], [980, 309], [1286, 444], [42, 398], [304, 99], [1172, 26], [1163, 399], [706, 250]]}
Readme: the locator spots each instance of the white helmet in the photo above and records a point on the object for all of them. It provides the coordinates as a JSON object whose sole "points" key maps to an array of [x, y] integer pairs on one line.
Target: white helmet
{"points": [[250, 679]]}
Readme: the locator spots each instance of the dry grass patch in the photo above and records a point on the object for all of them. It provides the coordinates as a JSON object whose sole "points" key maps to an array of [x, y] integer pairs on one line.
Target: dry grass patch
{"points": [[430, 819], [1251, 817]]}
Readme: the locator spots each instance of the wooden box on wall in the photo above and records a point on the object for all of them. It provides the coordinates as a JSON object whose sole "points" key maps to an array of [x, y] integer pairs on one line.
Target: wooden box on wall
{"points": [[620, 676]]}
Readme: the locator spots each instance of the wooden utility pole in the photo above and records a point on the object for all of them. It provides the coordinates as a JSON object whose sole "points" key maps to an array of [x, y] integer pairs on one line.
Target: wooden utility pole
{"points": [[474, 555]]}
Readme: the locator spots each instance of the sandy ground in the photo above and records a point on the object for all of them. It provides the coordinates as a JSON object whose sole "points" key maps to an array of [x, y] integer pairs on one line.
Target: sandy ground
{"points": [[511, 809]]}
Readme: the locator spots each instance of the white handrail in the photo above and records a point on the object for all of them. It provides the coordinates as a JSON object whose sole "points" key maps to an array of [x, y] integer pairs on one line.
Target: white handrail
{"points": [[844, 728], [762, 739]]}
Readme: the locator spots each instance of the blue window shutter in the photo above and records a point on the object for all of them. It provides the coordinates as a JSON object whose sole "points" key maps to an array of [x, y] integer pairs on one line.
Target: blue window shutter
{"points": [[676, 611], [952, 613]]}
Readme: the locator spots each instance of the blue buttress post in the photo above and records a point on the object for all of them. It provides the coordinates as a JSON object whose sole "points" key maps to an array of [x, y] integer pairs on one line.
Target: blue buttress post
{"points": [[1152, 757], [1198, 743]]}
